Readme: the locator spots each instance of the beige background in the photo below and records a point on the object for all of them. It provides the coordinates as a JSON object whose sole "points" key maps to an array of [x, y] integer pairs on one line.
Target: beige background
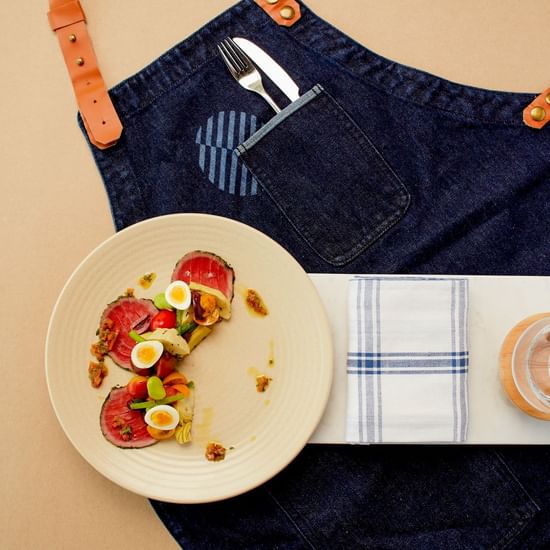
{"points": [[54, 210]]}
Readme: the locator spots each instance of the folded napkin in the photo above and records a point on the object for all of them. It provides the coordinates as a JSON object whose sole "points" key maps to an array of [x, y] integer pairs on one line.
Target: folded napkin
{"points": [[407, 359]]}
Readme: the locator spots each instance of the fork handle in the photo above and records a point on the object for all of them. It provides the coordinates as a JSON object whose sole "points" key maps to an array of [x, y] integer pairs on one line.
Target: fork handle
{"points": [[273, 105]]}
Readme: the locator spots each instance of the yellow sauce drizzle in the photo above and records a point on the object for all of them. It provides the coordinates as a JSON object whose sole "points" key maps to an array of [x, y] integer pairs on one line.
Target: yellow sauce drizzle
{"points": [[255, 303], [271, 356], [147, 280], [253, 372]]}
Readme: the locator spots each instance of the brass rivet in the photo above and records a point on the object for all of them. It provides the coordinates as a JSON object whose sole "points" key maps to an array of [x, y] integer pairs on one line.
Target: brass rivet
{"points": [[72, 37], [538, 113], [79, 61], [547, 99], [272, 1], [287, 12]]}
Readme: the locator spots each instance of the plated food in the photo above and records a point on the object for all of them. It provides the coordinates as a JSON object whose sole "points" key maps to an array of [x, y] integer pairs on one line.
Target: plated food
{"points": [[151, 338], [256, 431]]}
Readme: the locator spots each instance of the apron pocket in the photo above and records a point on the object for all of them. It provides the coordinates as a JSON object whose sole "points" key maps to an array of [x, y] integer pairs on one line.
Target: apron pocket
{"points": [[326, 177]]}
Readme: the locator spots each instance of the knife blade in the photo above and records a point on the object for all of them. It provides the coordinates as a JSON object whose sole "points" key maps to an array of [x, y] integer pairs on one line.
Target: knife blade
{"points": [[270, 67]]}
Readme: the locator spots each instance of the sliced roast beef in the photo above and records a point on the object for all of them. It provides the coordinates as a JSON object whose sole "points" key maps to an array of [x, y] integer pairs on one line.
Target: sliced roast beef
{"points": [[127, 313], [122, 426], [207, 269]]}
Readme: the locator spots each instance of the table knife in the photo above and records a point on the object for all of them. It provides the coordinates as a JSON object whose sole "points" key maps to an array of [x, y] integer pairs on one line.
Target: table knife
{"points": [[271, 68]]}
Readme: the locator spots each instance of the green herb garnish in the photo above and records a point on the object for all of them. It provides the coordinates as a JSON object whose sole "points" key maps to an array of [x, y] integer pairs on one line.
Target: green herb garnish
{"points": [[135, 405], [186, 327], [136, 337]]}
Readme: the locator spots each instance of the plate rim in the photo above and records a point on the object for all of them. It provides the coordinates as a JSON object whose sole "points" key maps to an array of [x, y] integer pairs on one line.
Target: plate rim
{"points": [[324, 324]]}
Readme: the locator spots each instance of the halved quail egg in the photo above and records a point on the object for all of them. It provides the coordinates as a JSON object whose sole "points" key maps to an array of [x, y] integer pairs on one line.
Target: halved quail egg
{"points": [[178, 295], [146, 354], [162, 417]]}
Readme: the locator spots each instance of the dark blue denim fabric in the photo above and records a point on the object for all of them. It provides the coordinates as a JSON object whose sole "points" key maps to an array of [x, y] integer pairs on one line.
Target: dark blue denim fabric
{"points": [[383, 169], [298, 158]]}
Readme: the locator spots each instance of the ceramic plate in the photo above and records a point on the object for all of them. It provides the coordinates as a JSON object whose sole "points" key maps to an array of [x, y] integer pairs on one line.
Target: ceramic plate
{"points": [[263, 432]]}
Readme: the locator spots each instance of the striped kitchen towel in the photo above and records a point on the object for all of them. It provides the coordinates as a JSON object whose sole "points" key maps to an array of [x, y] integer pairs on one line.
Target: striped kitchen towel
{"points": [[407, 361]]}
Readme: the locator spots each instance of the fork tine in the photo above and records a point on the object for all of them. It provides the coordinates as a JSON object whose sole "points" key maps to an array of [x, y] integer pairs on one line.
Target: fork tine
{"points": [[238, 53], [243, 70], [228, 62], [230, 58]]}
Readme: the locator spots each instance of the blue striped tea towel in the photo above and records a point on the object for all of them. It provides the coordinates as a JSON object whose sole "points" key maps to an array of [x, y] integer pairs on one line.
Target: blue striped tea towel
{"points": [[407, 361]]}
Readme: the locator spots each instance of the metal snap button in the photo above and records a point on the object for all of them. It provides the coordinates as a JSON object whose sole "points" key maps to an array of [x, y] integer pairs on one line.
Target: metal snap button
{"points": [[80, 61], [287, 12], [547, 99], [538, 113], [72, 37]]}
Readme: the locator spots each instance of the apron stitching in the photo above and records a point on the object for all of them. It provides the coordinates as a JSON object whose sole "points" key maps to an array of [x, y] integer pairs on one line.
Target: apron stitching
{"points": [[369, 82], [289, 517], [531, 505], [132, 80]]}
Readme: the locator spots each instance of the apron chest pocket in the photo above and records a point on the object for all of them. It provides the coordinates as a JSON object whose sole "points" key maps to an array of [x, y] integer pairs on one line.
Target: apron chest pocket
{"points": [[325, 176]]}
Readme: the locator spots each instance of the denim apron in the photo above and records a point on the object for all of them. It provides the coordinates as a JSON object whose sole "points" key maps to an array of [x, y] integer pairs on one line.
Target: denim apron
{"points": [[377, 168]]}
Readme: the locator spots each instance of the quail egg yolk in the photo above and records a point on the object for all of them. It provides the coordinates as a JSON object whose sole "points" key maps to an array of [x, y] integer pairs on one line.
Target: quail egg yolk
{"points": [[145, 354], [162, 417], [178, 295]]}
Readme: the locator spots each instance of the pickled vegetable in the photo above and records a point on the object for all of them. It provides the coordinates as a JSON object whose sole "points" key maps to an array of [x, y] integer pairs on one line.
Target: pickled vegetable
{"points": [[160, 301], [155, 388], [197, 336], [183, 433]]}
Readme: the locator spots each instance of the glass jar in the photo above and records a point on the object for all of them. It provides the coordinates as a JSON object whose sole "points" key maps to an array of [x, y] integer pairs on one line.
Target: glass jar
{"points": [[530, 367]]}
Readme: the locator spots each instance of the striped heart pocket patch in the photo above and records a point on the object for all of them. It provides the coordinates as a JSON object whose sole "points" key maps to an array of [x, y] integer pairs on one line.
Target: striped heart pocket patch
{"points": [[217, 140]]}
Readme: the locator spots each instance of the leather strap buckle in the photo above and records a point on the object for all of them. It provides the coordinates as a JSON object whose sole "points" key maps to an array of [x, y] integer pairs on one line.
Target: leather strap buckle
{"points": [[100, 118]]}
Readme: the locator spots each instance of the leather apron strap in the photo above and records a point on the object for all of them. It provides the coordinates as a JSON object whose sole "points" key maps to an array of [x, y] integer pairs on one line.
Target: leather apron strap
{"points": [[537, 113], [100, 118], [283, 12], [96, 108]]}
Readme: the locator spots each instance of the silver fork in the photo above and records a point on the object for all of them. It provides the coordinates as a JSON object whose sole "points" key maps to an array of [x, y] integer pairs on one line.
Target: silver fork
{"points": [[243, 70]]}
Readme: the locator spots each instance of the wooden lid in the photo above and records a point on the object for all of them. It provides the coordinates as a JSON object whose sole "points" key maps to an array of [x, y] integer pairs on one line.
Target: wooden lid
{"points": [[505, 367]]}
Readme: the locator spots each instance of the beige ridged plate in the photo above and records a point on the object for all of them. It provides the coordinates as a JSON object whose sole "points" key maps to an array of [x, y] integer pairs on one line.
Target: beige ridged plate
{"points": [[262, 431]]}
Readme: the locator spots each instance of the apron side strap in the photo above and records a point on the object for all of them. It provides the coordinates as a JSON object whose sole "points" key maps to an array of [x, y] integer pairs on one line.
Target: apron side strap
{"points": [[100, 118], [283, 12], [537, 113]]}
